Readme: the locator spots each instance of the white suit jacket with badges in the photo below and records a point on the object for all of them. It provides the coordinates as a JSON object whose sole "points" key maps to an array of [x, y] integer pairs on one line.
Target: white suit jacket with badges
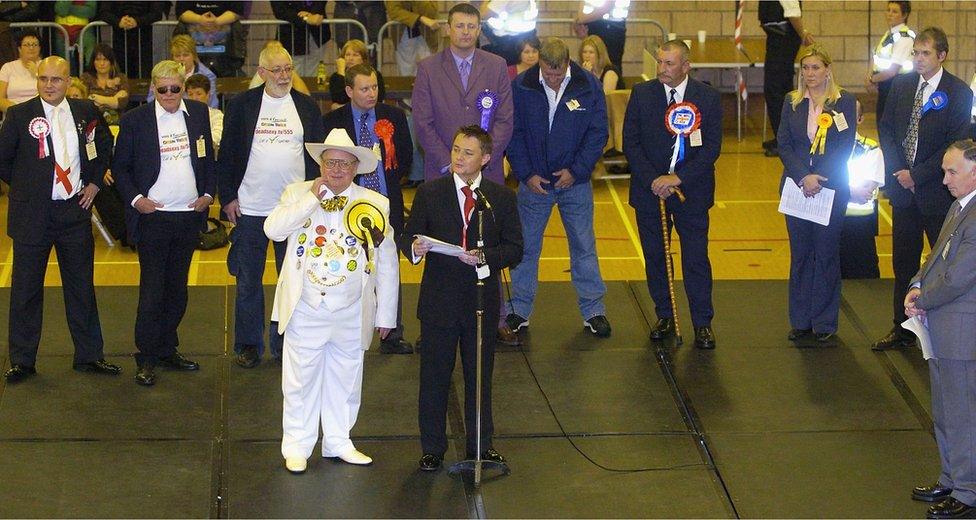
{"points": [[299, 213], [948, 284]]}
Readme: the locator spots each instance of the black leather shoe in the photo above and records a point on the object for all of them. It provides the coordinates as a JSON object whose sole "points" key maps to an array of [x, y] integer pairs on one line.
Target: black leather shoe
{"points": [[178, 362], [824, 338], [662, 329], [704, 338], [598, 325], [18, 373], [431, 462], [798, 334], [396, 346], [490, 454], [771, 152], [951, 508], [932, 493], [248, 358], [146, 375], [507, 336], [99, 367], [772, 143], [894, 340]]}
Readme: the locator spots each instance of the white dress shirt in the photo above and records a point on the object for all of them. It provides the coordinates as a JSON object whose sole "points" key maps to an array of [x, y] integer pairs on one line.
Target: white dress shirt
{"points": [[552, 95], [59, 145], [679, 94], [933, 85]]}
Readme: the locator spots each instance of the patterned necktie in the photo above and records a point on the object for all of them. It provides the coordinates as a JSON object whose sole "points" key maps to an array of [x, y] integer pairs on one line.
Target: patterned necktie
{"points": [[337, 203], [464, 69], [468, 210], [367, 180], [62, 165], [911, 140], [673, 92]]}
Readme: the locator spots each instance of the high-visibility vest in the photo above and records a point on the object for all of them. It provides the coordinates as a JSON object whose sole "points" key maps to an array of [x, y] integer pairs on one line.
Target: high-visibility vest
{"points": [[617, 13], [865, 163], [882, 53]]}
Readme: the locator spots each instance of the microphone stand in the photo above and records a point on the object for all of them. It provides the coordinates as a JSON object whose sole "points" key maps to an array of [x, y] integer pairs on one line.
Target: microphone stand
{"points": [[477, 465]]}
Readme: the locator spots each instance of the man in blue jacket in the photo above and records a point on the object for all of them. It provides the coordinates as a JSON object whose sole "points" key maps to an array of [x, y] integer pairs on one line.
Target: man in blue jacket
{"points": [[560, 132]]}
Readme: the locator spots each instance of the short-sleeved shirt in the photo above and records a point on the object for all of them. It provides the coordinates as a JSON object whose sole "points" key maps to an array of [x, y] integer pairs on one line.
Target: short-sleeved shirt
{"points": [[21, 82]]}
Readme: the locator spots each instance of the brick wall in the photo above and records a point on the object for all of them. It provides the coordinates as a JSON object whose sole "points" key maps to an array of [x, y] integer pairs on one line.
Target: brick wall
{"points": [[848, 29]]}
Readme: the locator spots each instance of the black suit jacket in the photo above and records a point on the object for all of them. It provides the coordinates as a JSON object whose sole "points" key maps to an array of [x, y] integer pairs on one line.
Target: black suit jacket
{"points": [[31, 179], [937, 129], [240, 120], [295, 36], [136, 162], [648, 145], [448, 291], [342, 118]]}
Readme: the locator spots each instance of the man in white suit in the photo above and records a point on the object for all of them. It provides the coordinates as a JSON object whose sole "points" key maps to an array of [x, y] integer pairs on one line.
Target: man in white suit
{"points": [[336, 285], [944, 294]]}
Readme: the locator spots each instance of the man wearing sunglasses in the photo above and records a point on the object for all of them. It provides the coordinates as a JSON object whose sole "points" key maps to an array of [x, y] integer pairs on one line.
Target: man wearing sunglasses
{"points": [[164, 169], [53, 154], [262, 152]]}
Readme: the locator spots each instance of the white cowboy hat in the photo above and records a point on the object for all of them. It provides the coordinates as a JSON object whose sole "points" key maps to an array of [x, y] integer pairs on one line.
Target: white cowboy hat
{"points": [[338, 139]]}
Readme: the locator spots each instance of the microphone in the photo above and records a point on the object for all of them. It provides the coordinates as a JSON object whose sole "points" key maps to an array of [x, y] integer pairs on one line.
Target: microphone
{"points": [[482, 198]]}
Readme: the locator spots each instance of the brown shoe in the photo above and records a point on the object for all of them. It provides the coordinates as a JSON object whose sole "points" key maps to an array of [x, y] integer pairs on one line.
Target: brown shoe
{"points": [[508, 337]]}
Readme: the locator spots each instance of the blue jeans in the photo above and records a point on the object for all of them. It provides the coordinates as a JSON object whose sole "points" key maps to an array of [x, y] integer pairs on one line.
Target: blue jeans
{"points": [[245, 260], [576, 209]]}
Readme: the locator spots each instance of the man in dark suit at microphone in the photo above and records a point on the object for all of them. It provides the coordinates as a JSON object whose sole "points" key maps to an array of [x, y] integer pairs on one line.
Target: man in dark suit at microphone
{"points": [[446, 209]]}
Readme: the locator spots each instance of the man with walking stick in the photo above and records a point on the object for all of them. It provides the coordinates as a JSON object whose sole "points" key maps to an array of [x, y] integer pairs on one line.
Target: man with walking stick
{"points": [[444, 221], [672, 138]]}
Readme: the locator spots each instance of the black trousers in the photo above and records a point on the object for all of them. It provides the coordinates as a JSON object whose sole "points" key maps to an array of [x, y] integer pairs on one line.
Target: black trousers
{"points": [[437, 360], [778, 72], [68, 230], [858, 251], [696, 268], [166, 243], [908, 224], [111, 210], [136, 56], [883, 88]]}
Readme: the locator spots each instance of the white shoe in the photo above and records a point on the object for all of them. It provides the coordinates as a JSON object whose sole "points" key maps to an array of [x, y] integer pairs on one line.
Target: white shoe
{"points": [[296, 465], [356, 457]]}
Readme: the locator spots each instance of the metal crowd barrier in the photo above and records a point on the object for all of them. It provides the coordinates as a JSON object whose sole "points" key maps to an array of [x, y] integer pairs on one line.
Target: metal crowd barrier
{"points": [[172, 23], [391, 24], [46, 25]]}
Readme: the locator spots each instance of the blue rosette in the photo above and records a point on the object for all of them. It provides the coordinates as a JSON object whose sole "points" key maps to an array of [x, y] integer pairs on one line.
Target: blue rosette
{"points": [[487, 103], [937, 101]]}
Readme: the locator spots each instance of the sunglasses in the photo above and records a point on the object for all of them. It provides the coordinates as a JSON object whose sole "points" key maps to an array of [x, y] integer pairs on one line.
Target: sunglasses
{"points": [[172, 89]]}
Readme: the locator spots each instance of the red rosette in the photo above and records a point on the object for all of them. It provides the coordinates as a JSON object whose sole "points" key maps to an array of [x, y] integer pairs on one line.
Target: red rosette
{"points": [[682, 118], [90, 130], [384, 130]]}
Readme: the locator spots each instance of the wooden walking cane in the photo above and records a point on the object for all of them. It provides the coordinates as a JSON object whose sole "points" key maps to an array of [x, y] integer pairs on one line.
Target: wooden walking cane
{"points": [[666, 236]]}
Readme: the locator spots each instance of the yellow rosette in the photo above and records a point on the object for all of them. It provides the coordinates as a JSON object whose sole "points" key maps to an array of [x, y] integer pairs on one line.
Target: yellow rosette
{"points": [[820, 139]]}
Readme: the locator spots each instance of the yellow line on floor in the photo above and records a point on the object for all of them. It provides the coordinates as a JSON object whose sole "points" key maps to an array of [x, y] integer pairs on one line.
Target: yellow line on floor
{"points": [[623, 216], [194, 268], [8, 268], [884, 214]]}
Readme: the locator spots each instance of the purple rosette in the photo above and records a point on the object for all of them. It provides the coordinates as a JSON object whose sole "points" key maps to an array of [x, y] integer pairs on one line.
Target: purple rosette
{"points": [[487, 103]]}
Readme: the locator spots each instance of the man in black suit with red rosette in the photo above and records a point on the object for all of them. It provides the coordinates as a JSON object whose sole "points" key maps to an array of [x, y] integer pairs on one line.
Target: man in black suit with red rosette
{"points": [[382, 128], [53, 154], [445, 209]]}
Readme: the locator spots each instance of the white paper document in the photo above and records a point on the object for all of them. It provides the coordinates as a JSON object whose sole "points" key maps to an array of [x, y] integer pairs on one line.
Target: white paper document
{"points": [[918, 326], [815, 209], [444, 248]]}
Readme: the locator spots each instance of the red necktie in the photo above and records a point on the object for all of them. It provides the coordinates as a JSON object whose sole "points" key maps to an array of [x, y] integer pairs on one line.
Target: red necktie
{"points": [[468, 210]]}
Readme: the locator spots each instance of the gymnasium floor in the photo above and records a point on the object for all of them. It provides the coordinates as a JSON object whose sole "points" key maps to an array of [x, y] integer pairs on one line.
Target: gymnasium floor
{"points": [[756, 428]]}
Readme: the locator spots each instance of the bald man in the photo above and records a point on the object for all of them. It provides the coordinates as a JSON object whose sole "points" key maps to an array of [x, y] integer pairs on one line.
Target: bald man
{"points": [[53, 154]]}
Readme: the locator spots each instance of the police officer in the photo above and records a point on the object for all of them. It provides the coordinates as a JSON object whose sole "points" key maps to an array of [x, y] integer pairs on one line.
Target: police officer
{"points": [[781, 21], [893, 55]]}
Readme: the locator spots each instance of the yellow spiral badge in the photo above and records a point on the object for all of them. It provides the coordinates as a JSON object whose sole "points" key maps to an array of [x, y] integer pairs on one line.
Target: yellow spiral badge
{"points": [[361, 218], [820, 139]]}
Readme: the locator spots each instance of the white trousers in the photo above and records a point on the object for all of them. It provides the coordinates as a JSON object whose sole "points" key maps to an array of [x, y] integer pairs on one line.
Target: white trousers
{"points": [[321, 380]]}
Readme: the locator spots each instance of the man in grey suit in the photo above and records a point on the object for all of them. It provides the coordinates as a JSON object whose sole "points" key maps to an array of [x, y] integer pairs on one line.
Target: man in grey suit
{"points": [[944, 293]]}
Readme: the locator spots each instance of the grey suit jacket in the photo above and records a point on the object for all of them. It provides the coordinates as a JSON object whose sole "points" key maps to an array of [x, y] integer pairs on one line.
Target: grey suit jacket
{"points": [[948, 284]]}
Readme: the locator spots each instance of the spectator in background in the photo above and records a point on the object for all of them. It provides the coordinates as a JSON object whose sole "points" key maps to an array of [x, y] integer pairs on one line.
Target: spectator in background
{"points": [[18, 78], [13, 12], [370, 13], [76, 90], [198, 89], [528, 56], [297, 82], [73, 16], [506, 23], [608, 20], [215, 27], [594, 58], [416, 43], [183, 50], [132, 31], [354, 52], [306, 37], [107, 87]]}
